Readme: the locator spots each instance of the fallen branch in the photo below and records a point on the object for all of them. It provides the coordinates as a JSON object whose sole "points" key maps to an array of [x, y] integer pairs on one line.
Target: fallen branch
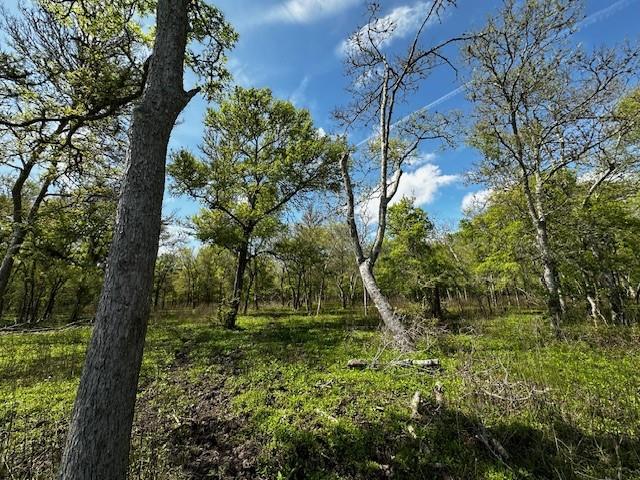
{"points": [[17, 328], [361, 364], [490, 442], [415, 405]]}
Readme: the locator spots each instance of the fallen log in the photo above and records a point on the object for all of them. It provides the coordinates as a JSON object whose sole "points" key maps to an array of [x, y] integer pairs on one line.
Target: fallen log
{"points": [[361, 364]]}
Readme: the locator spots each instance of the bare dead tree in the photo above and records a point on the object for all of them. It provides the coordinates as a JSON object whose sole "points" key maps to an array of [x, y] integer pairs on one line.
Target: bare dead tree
{"points": [[380, 81]]}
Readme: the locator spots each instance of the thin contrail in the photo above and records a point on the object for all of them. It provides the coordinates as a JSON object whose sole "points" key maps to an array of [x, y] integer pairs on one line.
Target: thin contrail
{"points": [[587, 22], [604, 13]]}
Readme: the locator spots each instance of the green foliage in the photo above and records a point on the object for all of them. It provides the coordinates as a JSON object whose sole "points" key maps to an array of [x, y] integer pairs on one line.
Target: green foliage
{"points": [[213, 36], [79, 60], [259, 154], [414, 264], [501, 242]]}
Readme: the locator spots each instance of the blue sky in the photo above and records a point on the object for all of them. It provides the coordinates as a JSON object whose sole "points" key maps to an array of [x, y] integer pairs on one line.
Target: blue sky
{"points": [[292, 47]]}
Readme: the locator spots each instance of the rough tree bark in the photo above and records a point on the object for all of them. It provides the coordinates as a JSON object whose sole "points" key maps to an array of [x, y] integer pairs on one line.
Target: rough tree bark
{"points": [[99, 435]]}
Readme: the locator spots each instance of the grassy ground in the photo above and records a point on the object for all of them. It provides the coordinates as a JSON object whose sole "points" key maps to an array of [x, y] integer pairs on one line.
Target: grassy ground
{"points": [[275, 400]]}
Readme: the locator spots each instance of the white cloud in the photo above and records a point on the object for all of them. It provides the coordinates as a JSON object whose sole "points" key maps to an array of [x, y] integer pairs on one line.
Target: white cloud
{"points": [[306, 11], [422, 184], [398, 23], [421, 159], [475, 202]]}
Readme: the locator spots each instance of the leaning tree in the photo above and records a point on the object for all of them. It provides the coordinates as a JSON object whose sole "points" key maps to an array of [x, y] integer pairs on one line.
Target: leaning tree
{"points": [[99, 435], [380, 81]]}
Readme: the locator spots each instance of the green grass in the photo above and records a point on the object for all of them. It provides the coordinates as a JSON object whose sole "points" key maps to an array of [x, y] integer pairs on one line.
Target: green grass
{"points": [[275, 400]]}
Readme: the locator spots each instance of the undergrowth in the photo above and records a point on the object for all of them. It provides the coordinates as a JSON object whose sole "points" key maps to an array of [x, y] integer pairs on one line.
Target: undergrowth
{"points": [[274, 399]]}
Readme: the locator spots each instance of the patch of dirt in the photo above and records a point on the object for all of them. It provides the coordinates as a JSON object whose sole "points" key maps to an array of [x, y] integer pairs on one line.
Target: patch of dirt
{"points": [[204, 439], [213, 442]]}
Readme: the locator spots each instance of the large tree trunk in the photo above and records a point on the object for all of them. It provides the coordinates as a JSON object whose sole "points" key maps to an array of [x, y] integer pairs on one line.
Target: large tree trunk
{"points": [[99, 435], [232, 314]]}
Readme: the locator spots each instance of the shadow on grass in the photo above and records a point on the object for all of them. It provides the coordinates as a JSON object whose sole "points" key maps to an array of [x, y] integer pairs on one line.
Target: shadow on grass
{"points": [[442, 444], [296, 441], [302, 420]]}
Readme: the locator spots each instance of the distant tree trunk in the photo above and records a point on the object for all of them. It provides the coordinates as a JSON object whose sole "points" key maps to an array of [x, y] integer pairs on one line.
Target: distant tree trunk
{"points": [[616, 299], [563, 300], [436, 303], [81, 291], [594, 307], [29, 311], [353, 283], [365, 298], [156, 295], [238, 282], [343, 295], [282, 294], [256, 291], [296, 293], [19, 228], [245, 306], [307, 294], [51, 301], [98, 440], [321, 291]]}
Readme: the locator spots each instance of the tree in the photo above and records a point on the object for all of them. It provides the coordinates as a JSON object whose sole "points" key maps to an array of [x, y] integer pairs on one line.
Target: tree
{"points": [[379, 82], [99, 435], [304, 252], [341, 266], [71, 69], [415, 263], [497, 245], [259, 154], [543, 104]]}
